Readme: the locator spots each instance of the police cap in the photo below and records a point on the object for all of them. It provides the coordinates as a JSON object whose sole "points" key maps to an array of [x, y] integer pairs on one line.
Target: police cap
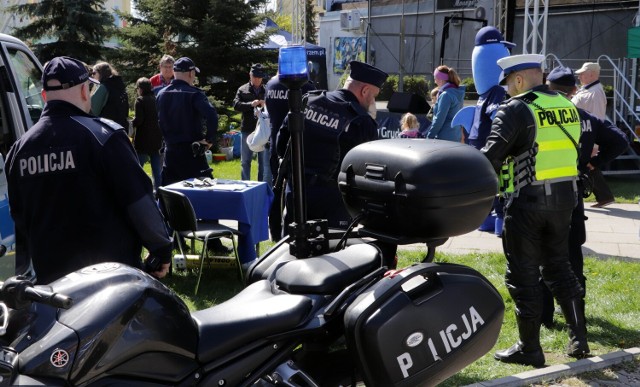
{"points": [[513, 63], [68, 71], [562, 76], [366, 73], [184, 65]]}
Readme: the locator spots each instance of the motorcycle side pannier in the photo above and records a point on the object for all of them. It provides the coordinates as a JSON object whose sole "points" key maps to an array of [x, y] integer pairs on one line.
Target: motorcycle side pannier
{"points": [[415, 190], [423, 324]]}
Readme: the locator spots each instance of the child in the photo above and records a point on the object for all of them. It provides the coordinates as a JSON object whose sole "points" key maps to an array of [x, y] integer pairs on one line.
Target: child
{"points": [[409, 126], [434, 99]]}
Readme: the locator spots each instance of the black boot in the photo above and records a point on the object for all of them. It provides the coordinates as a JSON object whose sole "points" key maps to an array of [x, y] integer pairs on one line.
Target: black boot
{"points": [[573, 311], [547, 307], [527, 350]]}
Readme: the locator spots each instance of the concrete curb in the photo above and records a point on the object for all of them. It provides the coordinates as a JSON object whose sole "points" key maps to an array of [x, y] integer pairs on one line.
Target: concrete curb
{"points": [[563, 370]]}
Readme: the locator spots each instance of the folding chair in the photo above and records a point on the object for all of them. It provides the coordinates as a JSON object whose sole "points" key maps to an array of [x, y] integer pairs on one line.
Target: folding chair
{"points": [[182, 219]]}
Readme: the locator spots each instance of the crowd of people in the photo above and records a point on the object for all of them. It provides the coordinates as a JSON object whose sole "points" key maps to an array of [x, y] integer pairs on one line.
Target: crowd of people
{"points": [[103, 195]]}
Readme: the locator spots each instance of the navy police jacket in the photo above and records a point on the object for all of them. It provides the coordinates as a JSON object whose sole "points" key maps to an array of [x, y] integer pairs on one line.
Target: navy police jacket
{"points": [[277, 102], [184, 112], [611, 141], [334, 124], [79, 196]]}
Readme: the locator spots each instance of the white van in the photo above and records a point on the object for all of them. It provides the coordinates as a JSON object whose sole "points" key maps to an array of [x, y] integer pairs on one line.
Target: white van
{"points": [[20, 108]]}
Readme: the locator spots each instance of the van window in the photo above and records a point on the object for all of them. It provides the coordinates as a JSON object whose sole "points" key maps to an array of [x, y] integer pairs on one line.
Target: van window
{"points": [[29, 79]]}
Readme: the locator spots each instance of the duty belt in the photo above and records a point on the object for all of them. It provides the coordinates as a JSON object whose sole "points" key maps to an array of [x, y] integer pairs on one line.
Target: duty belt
{"points": [[547, 183]]}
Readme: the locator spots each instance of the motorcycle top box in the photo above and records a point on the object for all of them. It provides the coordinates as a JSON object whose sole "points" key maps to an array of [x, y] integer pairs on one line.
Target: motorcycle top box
{"points": [[415, 190]]}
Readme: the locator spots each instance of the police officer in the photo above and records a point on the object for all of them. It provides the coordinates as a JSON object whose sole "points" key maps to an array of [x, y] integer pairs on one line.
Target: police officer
{"points": [[182, 109], [612, 142], [533, 133], [277, 102], [334, 123], [248, 97], [77, 192]]}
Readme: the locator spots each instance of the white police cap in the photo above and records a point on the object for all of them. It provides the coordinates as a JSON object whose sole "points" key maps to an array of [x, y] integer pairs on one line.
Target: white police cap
{"points": [[515, 63]]}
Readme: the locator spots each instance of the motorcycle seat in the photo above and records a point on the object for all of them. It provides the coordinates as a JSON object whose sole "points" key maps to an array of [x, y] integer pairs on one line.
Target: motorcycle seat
{"points": [[328, 274], [254, 313]]}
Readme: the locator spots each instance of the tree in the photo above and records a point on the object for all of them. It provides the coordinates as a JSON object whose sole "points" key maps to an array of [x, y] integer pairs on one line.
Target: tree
{"points": [[310, 15], [214, 33], [144, 39], [76, 28], [282, 20]]}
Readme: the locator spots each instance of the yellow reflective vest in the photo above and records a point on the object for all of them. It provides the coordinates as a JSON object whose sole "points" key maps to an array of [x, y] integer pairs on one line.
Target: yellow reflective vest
{"points": [[553, 156], [557, 155]]}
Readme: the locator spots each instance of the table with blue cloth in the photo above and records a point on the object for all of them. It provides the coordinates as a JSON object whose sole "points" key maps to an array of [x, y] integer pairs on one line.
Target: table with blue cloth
{"points": [[248, 202]]}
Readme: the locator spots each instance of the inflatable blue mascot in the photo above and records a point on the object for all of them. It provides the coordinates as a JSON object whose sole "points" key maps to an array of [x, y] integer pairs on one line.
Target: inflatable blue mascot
{"points": [[489, 47]]}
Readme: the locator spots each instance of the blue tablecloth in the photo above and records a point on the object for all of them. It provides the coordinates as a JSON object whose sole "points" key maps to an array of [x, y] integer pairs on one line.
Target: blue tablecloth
{"points": [[248, 202]]}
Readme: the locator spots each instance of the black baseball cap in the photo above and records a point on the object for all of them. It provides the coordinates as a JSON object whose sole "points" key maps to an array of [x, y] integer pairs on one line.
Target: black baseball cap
{"points": [[184, 65], [257, 70], [68, 71]]}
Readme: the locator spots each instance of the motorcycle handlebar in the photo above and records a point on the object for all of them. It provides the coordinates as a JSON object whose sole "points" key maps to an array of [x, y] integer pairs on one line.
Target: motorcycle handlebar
{"points": [[18, 292], [48, 298]]}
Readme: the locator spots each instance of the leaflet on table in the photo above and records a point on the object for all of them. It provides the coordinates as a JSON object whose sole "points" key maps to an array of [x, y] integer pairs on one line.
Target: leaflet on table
{"points": [[219, 184]]}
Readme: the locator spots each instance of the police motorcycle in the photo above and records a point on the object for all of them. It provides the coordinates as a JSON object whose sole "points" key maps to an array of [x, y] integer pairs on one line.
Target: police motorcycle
{"points": [[313, 313]]}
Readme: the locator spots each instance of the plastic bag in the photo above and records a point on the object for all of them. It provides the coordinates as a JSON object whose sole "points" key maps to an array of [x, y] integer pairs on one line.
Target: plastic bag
{"points": [[260, 137]]}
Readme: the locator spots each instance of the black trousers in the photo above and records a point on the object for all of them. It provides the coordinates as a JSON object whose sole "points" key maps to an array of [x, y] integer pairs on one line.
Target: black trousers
{"points": [[601, 189], [535, 242], [577, 237], [180, 164]]}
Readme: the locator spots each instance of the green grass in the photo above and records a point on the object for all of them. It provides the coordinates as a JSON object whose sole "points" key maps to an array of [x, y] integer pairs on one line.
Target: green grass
{"points": [[613, 295], [613, 314], [624, 188], [613, 308]]}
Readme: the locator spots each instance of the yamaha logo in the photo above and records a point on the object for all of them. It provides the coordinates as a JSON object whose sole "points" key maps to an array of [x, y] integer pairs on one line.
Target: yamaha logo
{"points": [[59, 358], [414, 339], [100, 268]]}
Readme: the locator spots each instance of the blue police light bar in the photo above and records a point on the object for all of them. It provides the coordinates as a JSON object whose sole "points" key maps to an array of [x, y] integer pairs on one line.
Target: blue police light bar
{"points": [[292, 64]]}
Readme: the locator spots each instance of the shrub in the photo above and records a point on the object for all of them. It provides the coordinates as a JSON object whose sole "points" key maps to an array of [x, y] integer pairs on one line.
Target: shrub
{"points": [[389, 86], [471, 92], [417, 84]]}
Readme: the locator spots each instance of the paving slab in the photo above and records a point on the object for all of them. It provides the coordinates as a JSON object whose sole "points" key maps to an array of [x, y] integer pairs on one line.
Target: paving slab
{"points": [[612, 232]]}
